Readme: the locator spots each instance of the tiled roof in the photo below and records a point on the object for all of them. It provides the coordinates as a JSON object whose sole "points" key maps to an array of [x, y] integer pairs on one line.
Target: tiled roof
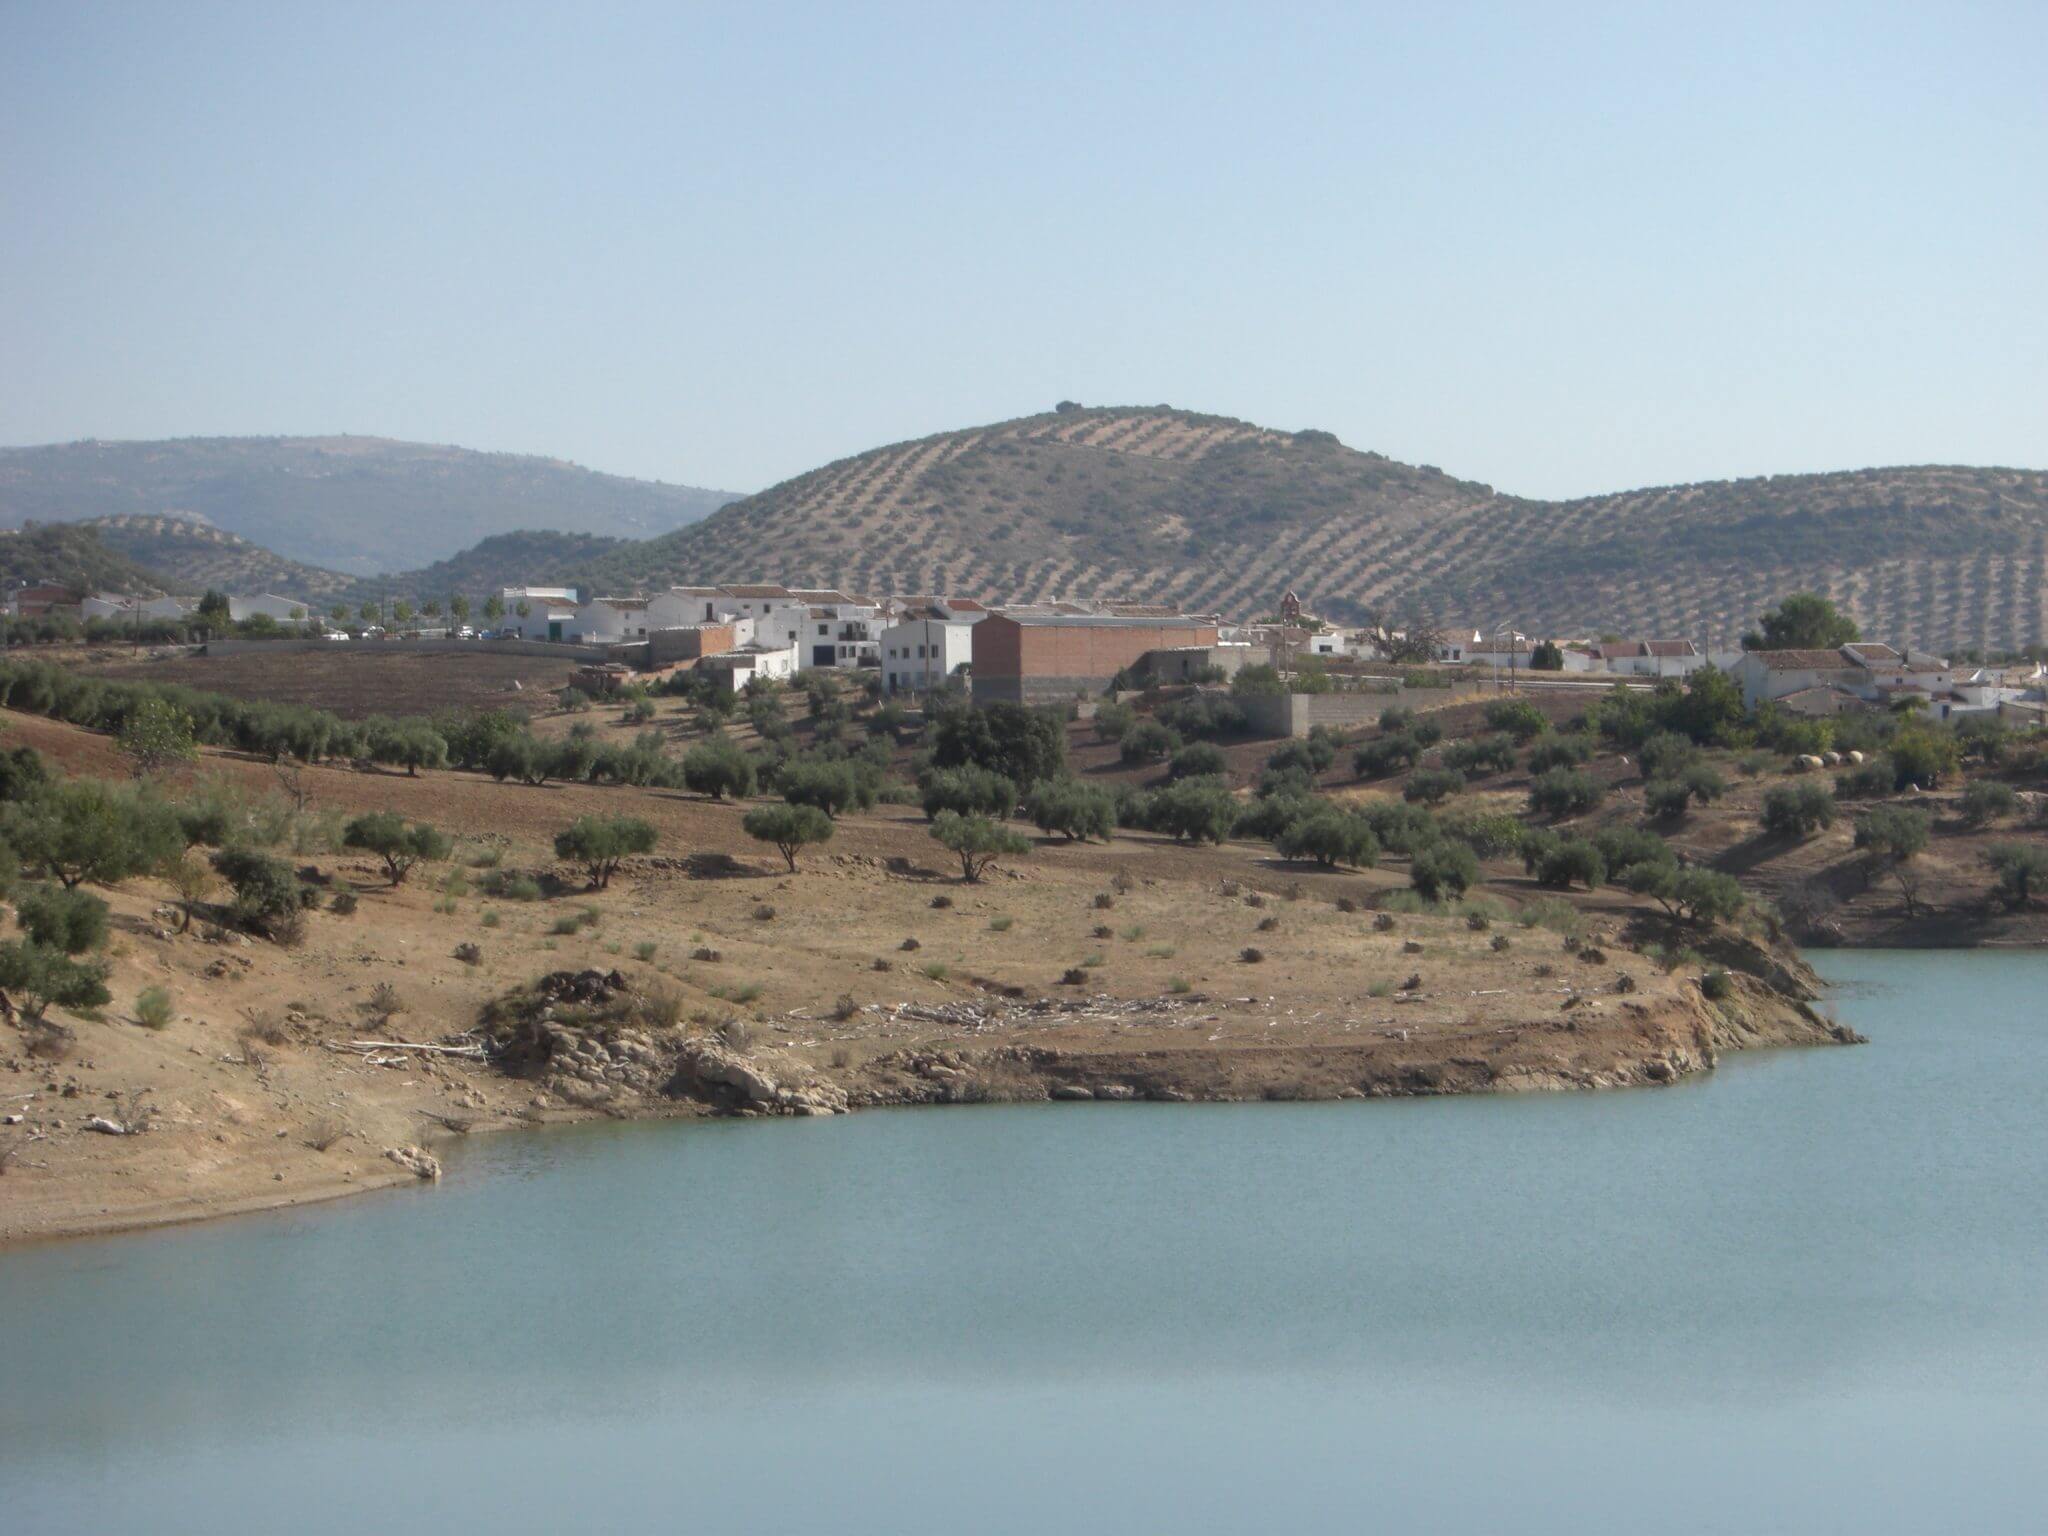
{"points": [[757, 591], [1801, 661]]}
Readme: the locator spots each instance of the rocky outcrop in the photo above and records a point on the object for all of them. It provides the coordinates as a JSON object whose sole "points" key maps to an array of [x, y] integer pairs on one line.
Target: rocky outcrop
{"points": [[417, 1161], [722, 1077]]}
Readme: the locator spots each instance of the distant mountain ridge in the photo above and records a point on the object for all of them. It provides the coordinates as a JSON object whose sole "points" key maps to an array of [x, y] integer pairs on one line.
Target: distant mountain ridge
{"points": [[358, 505]]}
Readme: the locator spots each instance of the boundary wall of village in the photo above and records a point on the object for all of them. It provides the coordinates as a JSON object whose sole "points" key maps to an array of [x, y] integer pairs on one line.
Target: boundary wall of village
{"points": [[555, 649]]}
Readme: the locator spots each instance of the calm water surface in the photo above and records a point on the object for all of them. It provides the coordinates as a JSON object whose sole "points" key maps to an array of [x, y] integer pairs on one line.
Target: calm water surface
{"points": [[1804, 1295]]}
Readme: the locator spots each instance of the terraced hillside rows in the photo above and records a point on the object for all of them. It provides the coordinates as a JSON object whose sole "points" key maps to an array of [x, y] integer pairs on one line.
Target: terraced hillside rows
{"points": [[1157, 504]]}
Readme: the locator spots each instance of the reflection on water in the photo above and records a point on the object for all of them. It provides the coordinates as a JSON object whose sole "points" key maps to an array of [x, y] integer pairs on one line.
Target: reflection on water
{"points": [[1805, 1291]]}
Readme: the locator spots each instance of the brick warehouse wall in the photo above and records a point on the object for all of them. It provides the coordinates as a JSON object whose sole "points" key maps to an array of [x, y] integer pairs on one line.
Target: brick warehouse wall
{"points": [[1015, 661]]}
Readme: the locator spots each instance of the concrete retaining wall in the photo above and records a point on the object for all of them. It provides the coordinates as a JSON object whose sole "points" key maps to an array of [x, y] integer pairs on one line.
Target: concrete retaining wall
{"points": [[1296, 714]]}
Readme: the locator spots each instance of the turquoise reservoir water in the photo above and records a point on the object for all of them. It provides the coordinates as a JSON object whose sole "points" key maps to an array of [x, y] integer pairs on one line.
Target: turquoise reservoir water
{"points": [[1806, 1294]]}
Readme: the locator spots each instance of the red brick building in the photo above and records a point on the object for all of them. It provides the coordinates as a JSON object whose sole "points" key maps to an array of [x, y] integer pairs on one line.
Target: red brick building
{"points": [[1038, 658]]}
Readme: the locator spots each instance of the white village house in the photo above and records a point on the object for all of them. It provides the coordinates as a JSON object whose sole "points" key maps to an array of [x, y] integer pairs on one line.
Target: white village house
{"points": [[735, 669], [608, 621], [1644, 658], [538, 613], [1864, 674], [930, 644]]}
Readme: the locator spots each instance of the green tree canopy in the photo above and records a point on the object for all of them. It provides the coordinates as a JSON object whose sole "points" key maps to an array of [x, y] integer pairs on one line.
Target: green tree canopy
{"points": [[400, 846], [977, 842], [156, 735], [1805, 621], [601, 843], [789, 827]]}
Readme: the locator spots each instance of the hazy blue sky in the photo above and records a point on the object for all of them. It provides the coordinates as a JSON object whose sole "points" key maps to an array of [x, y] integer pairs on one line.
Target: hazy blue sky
{"points": [[1559, 249]]}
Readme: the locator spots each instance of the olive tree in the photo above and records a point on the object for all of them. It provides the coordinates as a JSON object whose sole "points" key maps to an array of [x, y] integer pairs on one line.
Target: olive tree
{"points": [[157, 735], [718, 768], [977, 841], [400, 846], [788, 827], [601, 843], [1893, 836]]}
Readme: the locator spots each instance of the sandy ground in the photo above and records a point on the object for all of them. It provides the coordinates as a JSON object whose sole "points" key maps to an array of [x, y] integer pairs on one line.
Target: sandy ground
{"points": [[875, 973]]}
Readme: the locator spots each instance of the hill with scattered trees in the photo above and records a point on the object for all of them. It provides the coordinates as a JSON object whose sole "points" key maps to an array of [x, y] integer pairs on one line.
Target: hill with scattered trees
{"points": [[1158, 504], [1212, 514], [66, 555]]}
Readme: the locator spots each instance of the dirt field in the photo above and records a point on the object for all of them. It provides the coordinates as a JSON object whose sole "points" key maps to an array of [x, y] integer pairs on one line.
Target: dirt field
{"points": [[873, 976], [353, 680]]}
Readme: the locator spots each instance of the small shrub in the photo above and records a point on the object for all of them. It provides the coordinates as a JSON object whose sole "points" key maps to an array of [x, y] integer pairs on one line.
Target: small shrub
{"points": [[1268, 924], [489, 918], [1715, 986], [941, 903], [1000, 923], [1383, 922], [566, 925], [384, 1003], [1073, 976], [644, 951], [1180, 986], [1987, 800], [1104, 901], [469, 954], [1251, 956], [1501, 941], [937, 972], [1103, 931], [153, 1007], [763, 912]]}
